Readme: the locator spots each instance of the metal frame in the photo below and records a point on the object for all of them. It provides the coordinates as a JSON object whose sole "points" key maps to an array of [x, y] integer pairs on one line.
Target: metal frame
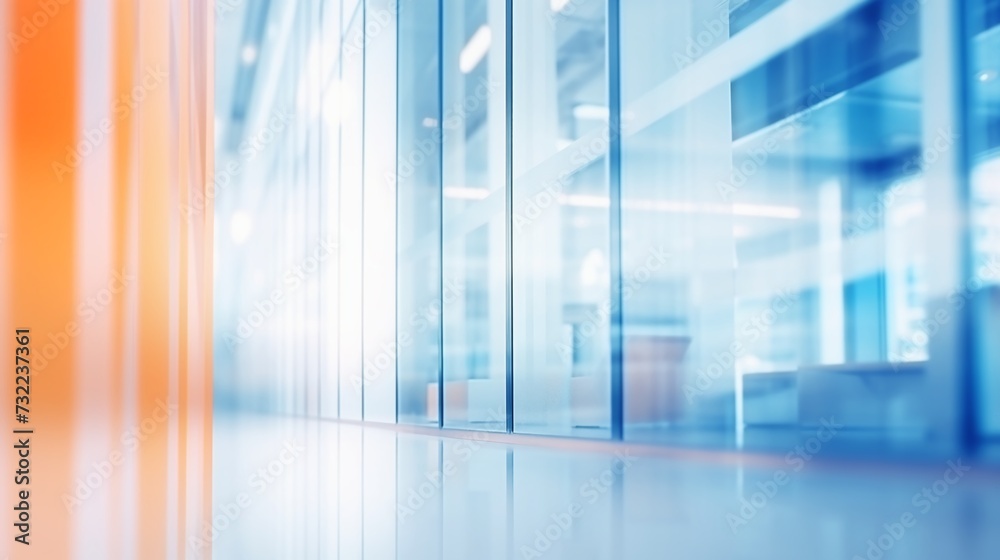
{"points": [[440, 125], [949, 402], [509, 205], [615, 217]]}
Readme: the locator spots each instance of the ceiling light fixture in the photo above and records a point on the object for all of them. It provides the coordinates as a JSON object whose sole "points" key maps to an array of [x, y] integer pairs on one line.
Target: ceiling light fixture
{"points": [[240, 227], [249, 54], [474, 51], [590, 112]]}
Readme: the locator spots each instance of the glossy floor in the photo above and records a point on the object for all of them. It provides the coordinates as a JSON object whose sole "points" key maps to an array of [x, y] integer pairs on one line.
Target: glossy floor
{"points": [[298, 488]]}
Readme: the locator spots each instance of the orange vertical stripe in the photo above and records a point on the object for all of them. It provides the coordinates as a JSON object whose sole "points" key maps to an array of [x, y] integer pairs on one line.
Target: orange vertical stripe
{"points": [[185, 176], [43, 117], [207, 137], [154, 274], [161, 162], [122, 177]]}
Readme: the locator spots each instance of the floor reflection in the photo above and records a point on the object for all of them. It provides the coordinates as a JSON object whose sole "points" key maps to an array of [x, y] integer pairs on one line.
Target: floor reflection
{"points": [[298, 488]]}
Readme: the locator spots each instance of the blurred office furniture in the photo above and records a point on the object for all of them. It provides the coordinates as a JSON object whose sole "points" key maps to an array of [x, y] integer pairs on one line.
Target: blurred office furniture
{"points": [[654, 378], [771, 399], [870, 396]]}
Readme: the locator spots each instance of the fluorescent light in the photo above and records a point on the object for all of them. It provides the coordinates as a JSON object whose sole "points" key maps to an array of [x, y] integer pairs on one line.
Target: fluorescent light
{"points": [[668, 206], [248, 54], [558, 5], [767, 211], [466, 193], [589, 112], [475, 49], [430, 122], [674, 206], [683, 207], [987, 75], [240, 227], [586, 200]]}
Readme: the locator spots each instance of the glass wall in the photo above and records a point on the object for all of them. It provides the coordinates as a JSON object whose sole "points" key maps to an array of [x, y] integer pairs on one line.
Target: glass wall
{"points": [[379, 212], [982, 23], [329, 115], [560, 216], [418, 188], [352, 373], [474, 275], [732, 222], [777, 213]]}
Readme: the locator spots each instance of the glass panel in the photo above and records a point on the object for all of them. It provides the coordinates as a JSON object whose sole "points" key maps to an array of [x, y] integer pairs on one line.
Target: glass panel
{"points": [[351, 140], [330, 192], [475, 342], [560, 224], [984, 134], [773, 217], [315, 252], [379, 225], [418, 180]]}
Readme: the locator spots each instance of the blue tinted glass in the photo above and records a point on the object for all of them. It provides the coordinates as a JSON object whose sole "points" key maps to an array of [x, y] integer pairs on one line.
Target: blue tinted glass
{"points": [[983, 25], [561, 276], [418, 179], [773, 224], [473, 229], [809, 204]]}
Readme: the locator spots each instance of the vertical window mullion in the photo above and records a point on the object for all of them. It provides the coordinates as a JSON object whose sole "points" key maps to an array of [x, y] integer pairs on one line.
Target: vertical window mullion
{"points": [[615, 218]]}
